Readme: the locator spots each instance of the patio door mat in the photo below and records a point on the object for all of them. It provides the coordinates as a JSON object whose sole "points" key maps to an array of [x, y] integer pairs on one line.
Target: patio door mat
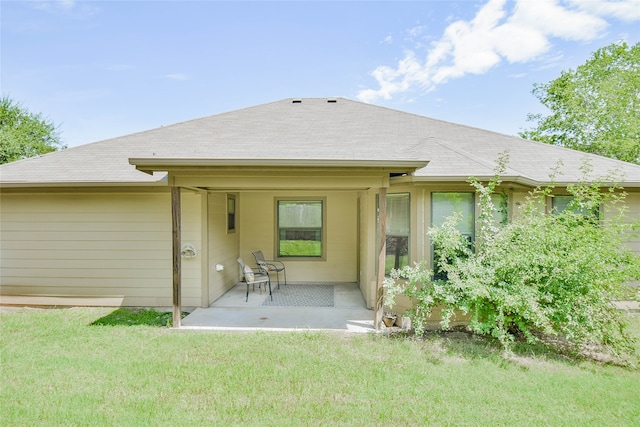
{"points": [[295, 295]]}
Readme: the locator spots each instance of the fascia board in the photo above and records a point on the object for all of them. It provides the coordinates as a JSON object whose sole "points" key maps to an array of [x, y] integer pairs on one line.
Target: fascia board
{"points": [[161, 181], [505, 179], [163, 164]]}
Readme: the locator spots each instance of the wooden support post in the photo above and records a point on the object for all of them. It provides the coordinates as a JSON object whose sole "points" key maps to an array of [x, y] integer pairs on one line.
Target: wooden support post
{"points": [[176, 215], [204, 249], [382, 248]]}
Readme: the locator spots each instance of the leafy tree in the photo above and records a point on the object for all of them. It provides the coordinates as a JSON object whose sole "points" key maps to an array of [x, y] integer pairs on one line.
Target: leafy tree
{"points": [[24, 134], [540, 275], [595, 108]]}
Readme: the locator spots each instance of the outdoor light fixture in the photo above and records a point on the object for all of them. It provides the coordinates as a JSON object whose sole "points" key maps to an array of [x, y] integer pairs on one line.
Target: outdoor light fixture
{"points": [[188, 251]]}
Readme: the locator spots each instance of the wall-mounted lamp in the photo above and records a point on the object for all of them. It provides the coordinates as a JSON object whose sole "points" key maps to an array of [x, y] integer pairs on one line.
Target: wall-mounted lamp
{"points": [[188, 251], [219, 267]]}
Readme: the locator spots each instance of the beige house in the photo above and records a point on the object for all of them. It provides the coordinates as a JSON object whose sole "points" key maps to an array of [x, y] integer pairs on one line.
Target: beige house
{"points": [[302, 180]]}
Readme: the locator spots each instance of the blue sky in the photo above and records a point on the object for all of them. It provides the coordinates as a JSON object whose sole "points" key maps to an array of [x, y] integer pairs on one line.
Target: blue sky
{"points": [[105, 69]]}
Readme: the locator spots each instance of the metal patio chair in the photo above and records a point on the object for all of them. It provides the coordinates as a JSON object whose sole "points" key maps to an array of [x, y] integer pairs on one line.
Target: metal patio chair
{"points": [[268, 266], [252, 277]]}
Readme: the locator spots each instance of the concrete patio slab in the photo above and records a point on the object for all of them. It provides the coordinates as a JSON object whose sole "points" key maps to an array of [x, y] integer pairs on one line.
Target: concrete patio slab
{"points": [[231, 313], [633, 306]]}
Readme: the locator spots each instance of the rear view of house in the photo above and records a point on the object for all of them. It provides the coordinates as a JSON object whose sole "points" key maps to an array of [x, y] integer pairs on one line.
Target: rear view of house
{"points": [[320, 184]]}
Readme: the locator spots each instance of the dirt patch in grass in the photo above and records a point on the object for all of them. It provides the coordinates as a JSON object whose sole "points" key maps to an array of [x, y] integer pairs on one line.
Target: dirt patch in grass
{"points": [[460, 344]]}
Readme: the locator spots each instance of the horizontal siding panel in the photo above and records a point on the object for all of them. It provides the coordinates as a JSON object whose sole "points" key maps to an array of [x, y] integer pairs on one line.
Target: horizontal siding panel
{"points": [[223, 247], [190, 236], [85, 226], [165, 291], [89, 291], [101, 244], [87, 203], [102, 285], [633, 201], [158, 302], [72, 217], [87, 273], [94, 273], [130, 254], [79, 264], [96, 236], [87, 245], [113, 292]]}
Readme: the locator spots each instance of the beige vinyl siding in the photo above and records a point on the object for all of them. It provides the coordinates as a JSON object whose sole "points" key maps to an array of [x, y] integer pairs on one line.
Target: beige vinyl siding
{"points": [[257, 232], [633, 202], [191, 204], [223, 246], [92, 244], [368, 254], [342, 237]]}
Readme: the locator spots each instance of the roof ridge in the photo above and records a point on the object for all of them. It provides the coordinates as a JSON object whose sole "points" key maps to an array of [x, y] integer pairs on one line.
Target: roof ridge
{"points": [[481, 162]]}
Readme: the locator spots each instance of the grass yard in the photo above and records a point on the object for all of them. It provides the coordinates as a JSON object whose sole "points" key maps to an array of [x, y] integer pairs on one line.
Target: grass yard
{"points": [[301, 248], [59, 368], [390, 262]]}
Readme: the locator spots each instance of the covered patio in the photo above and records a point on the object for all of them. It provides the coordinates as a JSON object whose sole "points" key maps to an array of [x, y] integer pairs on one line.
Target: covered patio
{"points": [[225, 209], [295, 307]]}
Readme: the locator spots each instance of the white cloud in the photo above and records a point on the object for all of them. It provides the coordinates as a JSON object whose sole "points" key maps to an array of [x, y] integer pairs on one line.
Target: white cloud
{"points": [[517, 31], [624, 10], [550, 18], [416, 31]]}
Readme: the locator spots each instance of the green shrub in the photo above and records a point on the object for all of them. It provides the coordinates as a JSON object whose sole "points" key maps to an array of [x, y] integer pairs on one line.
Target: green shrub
{"points": [[540, 275]]}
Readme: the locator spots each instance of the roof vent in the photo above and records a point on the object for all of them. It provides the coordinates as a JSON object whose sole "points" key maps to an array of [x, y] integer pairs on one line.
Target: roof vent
{"points": [[332, 100], [297, 101]]}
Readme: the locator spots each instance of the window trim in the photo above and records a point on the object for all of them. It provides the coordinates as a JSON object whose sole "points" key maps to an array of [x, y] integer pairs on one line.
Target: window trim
{"points": [[472, 238], [503, 208], [323, 234], [408, 235], [597, 212], [231, 200], [554, 198], [473, 210]]}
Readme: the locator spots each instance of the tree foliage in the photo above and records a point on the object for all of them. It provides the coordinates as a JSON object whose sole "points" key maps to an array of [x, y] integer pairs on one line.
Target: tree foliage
{"points": [[596, 107], [540, 275], [24, 134]]}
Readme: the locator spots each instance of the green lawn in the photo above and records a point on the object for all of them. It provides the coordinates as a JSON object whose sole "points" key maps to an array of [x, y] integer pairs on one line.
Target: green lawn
{"points": [[302, 248], [59, 368], [390, 262]]}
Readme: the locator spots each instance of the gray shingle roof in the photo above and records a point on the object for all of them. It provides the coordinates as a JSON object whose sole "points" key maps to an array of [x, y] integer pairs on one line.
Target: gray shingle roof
{"points": [[313, 129]]}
